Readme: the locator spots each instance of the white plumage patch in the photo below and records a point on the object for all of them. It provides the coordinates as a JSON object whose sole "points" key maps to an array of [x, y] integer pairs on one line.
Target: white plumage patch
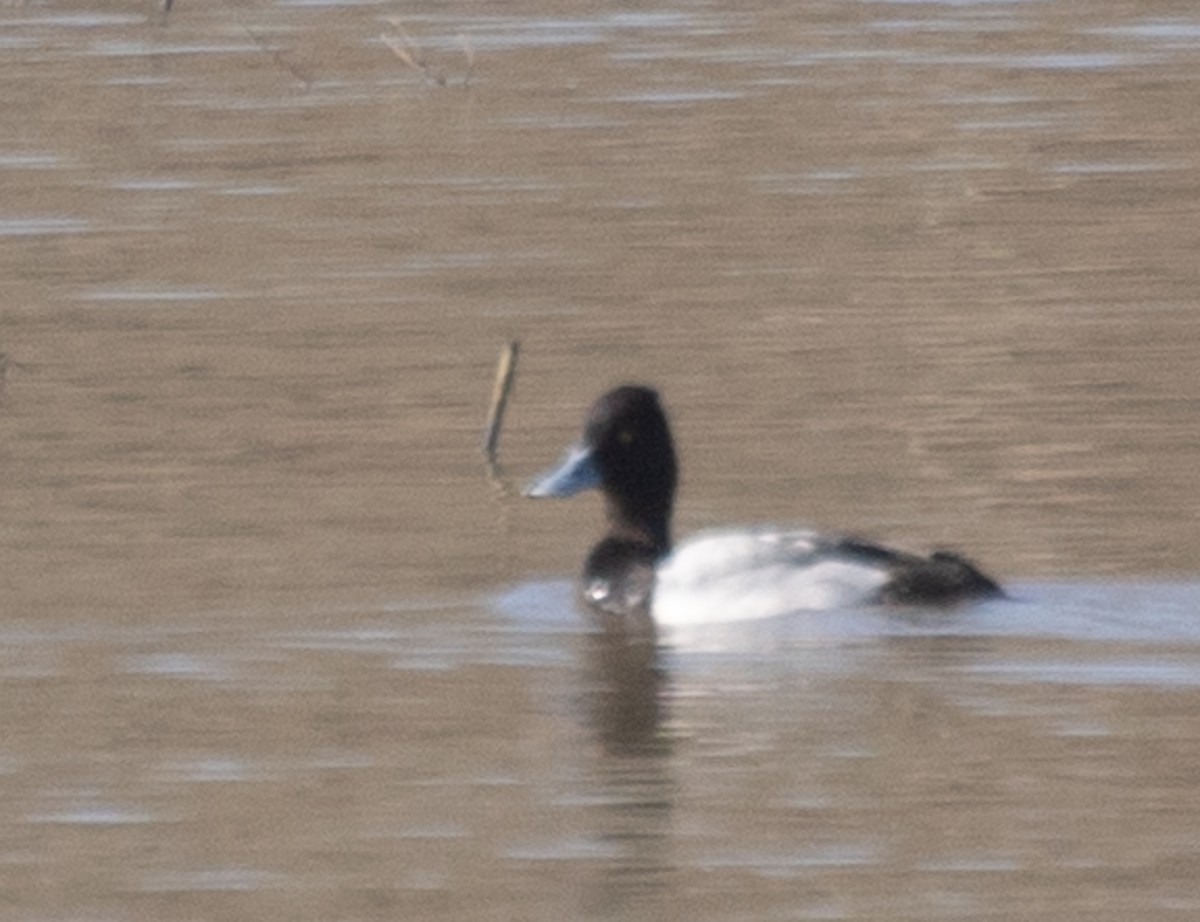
{"points": [[743, 575]]}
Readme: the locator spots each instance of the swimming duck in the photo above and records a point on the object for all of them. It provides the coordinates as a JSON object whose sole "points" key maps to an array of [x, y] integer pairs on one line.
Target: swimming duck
{"points": [[729, 575]]}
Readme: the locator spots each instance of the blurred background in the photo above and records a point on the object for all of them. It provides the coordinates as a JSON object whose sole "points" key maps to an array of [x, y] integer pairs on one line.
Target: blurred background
{"points": [[273, 647]]}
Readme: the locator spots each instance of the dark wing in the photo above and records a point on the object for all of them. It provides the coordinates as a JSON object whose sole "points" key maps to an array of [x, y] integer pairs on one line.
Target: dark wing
{"points": [[942, 578]]}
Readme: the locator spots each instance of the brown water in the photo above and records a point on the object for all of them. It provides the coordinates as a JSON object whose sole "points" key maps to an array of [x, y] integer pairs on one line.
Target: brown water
{"points": [[272, 646]]}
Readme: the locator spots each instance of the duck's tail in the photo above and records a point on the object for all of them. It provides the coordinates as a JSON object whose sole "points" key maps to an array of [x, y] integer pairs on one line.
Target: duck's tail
{"points": [[942, 578]]}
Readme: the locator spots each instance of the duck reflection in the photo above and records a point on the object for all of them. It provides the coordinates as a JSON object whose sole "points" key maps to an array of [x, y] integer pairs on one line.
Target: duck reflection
{"points": [[625, 694]]}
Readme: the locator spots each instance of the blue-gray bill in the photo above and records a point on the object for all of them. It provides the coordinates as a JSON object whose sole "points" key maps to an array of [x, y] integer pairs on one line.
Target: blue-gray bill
{"points": [[576, 472]]}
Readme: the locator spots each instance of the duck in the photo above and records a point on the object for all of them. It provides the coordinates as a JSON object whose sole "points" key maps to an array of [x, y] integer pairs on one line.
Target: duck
{"points": [[627, 452]]}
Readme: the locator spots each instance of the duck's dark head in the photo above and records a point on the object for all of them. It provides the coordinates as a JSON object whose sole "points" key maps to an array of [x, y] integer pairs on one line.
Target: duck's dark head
{"points": [[626, 451]]}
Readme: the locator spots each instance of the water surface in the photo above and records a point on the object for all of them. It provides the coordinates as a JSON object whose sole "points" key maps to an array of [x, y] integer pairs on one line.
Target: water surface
{"points": [[273, 647]]}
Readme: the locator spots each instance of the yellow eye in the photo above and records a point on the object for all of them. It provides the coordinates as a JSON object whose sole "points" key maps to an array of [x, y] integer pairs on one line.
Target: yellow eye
{"points": [[625, 436]]}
